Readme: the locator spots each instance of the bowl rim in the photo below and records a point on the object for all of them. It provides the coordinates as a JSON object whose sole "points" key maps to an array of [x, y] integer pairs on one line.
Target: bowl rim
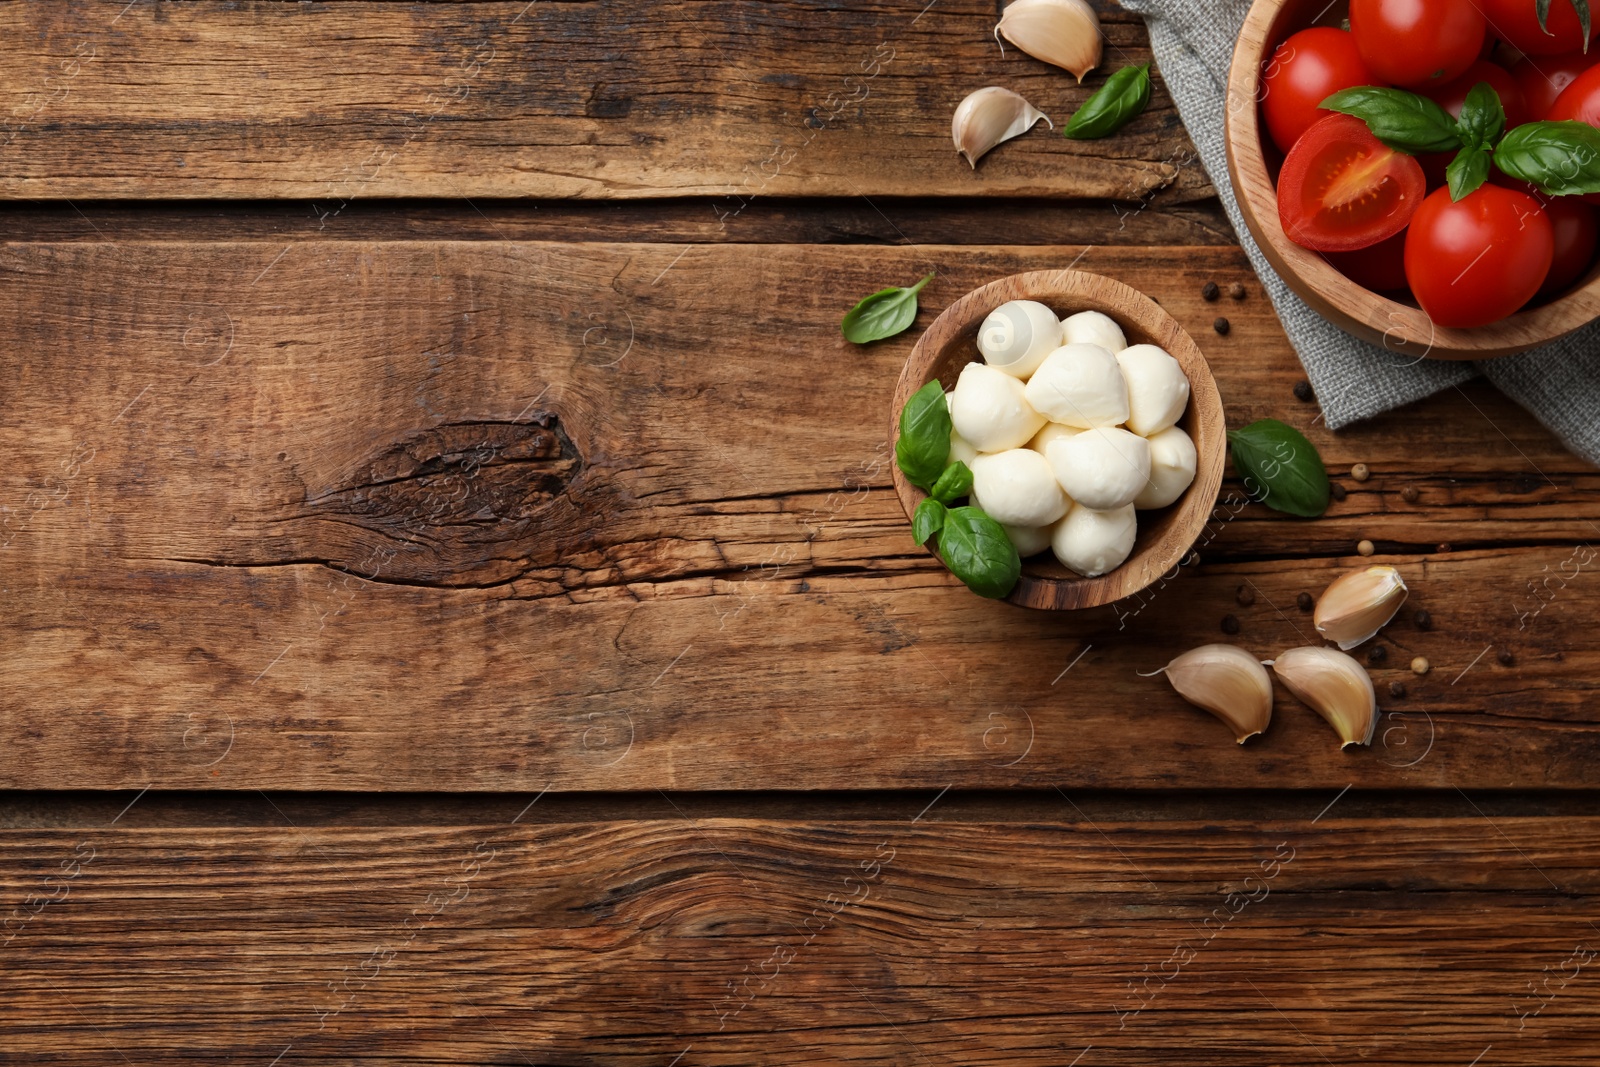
{"points": [[1399, 328], [1189, 514]]}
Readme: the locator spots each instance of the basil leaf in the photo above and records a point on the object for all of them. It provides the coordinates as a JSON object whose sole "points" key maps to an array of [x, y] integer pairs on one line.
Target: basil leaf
{"points": [[1561, 158], [1115, 104], [1404, 121], [924, 442], [927, 520], [1467, 171], [954, 483], [883, 314], [1483, 119], [1280, 468], [977, 550]]}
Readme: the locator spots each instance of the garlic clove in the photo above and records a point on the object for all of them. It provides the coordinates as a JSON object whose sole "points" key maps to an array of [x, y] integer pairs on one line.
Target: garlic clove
{"points": [[1228, 682], [1335, 686], [987, 117], [1357, 605], [1063, 32], [1017, 336]]}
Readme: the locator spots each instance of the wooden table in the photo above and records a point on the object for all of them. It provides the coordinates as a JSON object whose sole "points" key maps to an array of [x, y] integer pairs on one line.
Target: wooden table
{"points": [[454, 609]]}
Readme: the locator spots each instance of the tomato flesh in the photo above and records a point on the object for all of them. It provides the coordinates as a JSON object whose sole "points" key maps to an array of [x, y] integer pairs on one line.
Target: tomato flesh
{"points": [[1543, 79], [1517, 22], [1413, 43], [1475, 261], [1304, 71], [1342, 189]]}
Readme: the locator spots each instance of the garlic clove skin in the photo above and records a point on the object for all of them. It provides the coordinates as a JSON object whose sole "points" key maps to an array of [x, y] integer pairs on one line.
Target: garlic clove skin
{"points": [[1052, 431], [990, 410], [1093, 328], [1103, 468], [1080, 385], [1355, 606], [1172, 466], [989, 116], [1228, 682], [1030, 540], [1093, 542], [1335, 686], [1063, 32], [1158, 390], [1017, 336], [1017, 488]]}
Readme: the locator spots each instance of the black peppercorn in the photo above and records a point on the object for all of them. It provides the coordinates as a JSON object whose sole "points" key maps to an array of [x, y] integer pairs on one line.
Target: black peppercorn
{"points": [[1221, 326], [1302, 390], [1397, 690], [1506, 658], [1246, 596], [1423, 620], [1409, 494], [1208, 292], [1230, 624], [1236, 291], [1304, 602], [1377, 654], [1337, 491]]}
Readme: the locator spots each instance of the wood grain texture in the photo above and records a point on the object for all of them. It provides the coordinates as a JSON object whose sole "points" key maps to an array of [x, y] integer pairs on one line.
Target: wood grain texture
{"points": [[604, 99], [1166, 535], [1401, 328], [416, 516], [1290, 937]]}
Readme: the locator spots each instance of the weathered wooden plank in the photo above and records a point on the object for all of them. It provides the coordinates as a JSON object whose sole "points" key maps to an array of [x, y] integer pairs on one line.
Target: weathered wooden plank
{"points": [[497, 516], [1290, 938], [608, 99]]}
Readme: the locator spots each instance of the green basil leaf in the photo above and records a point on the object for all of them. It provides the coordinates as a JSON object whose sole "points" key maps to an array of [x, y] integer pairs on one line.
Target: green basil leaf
{"points": [[1467, 171], [954, 483], [924, 442], [977, 550], [927, 520], [1404, 121], [883, 314], [1115, 104], [1483, 118], [1561, 158], [1280, 468]]}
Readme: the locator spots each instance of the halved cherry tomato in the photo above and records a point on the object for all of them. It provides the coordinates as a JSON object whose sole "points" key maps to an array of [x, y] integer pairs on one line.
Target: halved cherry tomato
{"points": [[1542, 78], [1475, 261], [1304, 71], [1413, 43], [1381, 268], [1573, 226], [1453, 94], [1342, 189], [1517, 21]]}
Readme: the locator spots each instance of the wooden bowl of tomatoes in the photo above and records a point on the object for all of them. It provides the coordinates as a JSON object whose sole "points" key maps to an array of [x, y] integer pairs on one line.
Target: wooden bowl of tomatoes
{"points": [[1469, 230]]}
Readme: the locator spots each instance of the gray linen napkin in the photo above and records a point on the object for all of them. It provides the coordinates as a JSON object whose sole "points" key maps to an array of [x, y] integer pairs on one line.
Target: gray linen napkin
{"points": [[1559, 383]]}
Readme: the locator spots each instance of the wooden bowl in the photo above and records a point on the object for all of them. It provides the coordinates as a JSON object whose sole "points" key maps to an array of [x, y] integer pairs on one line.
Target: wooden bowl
{"points": [[1166, 534], [1402, 328]]}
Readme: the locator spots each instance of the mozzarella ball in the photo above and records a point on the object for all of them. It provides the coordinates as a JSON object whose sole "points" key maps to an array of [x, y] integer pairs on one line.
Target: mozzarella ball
{"points": [[1158, 390], [960, 448], [1053, 431], [1172, 460], [1080, 385], [1017, 488], [1093, 542], [1030, 540], [1093, 328], [1103, 468], [1017, 336], [990, 410]]}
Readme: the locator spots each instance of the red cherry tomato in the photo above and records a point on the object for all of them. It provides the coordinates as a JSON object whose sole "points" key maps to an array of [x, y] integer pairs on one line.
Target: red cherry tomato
{"points": [[1381, 268], [1453, 94], [1542, 79], [1475, 261], [1304, 71], [1417, 42], [1342, 189], [1517, 21], [1580, 100], [1573, 226]]}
